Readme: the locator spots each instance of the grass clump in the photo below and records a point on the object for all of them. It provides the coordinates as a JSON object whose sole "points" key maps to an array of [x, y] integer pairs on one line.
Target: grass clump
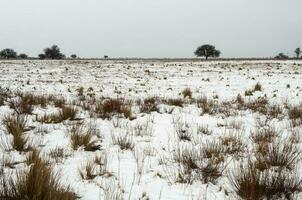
{"points": [[16, 127], [37, 183], [250, 183], [187, 92], [149, 105], [83, 138], [108, 108]]}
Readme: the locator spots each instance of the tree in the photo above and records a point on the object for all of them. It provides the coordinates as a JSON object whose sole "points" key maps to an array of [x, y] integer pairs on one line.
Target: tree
{"points": [[298, 52], [73, 56], [22, 56], [8, 54], [105, 56], [207, 51], [42, 56], [281, 56], [53, 52]]}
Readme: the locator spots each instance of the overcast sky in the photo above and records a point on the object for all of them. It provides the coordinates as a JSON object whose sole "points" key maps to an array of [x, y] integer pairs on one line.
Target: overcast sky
{"points": [[152, 28]]}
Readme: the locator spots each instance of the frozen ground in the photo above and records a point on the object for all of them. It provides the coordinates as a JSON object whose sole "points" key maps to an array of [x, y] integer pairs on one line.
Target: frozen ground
{"points": [[150, 170]]}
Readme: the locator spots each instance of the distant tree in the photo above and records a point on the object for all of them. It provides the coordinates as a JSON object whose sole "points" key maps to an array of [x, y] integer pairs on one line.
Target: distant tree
{"points": [[8, 54], [298, 52], [105, 56], [53, 52], [22, 56], [281, 56], [73, 56], [207, 51], [42, 56]]}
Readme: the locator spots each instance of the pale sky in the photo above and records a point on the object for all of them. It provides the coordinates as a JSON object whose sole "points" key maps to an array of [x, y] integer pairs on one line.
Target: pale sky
{"points": [[152, 28]]}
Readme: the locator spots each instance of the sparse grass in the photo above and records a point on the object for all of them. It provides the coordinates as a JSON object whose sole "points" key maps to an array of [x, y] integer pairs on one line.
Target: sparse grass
{"points": [[149, 105], [211, 172], [183, 131], [282, 153], [201, 129], [213, 150], [87, 170], [144, 128], [258, 87], [107, 108], [16, 127], [192, 165], [66, 112], [209, 106], [252, 184], [83, 138], [295, 114], [232, 144], [124, 141], [187, 92], [57, 154], [39, 183], [257, 105], [175, 102]]}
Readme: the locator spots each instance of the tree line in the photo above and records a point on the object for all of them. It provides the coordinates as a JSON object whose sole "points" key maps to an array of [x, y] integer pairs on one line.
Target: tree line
{"points": [[54, 52]]}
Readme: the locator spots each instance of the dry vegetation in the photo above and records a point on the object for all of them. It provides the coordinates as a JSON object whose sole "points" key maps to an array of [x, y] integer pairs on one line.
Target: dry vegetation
{"points": [[247, 146]]}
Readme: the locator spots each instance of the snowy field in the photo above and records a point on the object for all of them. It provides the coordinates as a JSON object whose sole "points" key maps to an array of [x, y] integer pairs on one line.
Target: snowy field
{"points": [[153, 129]]}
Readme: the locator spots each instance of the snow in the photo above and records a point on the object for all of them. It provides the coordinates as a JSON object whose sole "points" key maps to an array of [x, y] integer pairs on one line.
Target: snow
{"points": [[137, 80]]}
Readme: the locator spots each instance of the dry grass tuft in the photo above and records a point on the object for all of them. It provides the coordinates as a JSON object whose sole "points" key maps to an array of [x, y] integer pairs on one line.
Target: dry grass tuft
{"points": [[83, 138], [66, 112], [87, 171], [124, 141], [16, 127], [250, 183], [295, 114], [258, 87], [149, 105], [282, 153], [175, 102], [187, 92], [39, 183], [106, 109]]}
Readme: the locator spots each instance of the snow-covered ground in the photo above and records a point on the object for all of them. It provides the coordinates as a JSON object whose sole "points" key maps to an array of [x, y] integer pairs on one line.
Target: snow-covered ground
{"points": [[150, 169]]}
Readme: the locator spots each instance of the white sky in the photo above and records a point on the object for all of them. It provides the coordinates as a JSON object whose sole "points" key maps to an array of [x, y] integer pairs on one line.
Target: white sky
{"points": [[152, 28]]}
